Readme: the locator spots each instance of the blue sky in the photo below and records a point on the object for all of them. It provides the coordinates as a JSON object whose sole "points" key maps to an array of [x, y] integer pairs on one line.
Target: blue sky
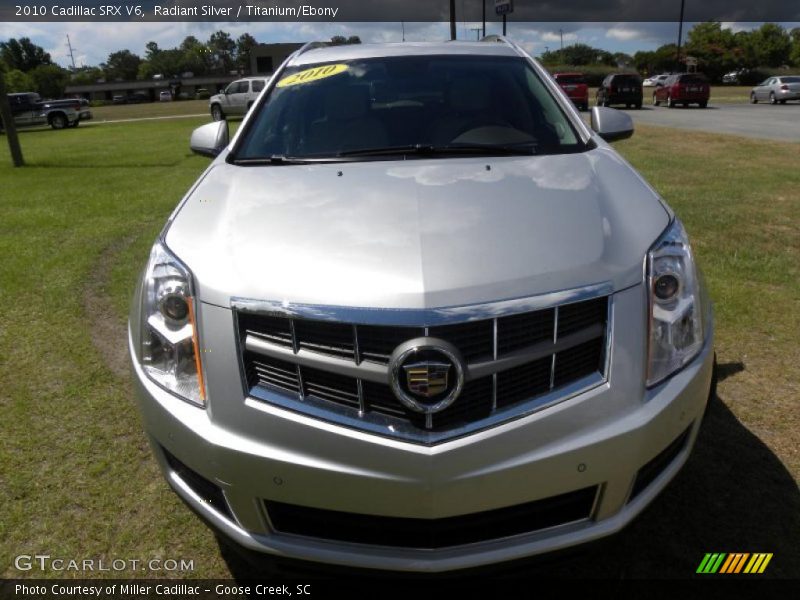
{"points": [[94, 41]]}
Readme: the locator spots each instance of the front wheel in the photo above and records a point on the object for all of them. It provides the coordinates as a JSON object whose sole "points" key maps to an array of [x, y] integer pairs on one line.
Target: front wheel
{"points": [[670, 102], [772, 99], [58, 121], [216, 113], [753, 99]]}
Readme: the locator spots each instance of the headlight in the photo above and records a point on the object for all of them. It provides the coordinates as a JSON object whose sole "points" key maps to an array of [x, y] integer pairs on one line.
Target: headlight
{"points": [[676, 314], [170, 353]]}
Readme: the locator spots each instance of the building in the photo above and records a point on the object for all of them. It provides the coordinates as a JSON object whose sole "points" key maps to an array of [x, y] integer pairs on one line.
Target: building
{"points": [[265, 58]]}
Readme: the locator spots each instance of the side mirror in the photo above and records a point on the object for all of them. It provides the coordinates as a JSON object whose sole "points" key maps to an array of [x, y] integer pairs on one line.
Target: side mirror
{"points": [[611, 124], [210, 139]]}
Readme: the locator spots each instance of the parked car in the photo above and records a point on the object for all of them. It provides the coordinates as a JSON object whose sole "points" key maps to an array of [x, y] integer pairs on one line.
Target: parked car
{"points": [[28, 110], [135, 98], [402, 321], [574, 84], [620, 88], [655, 80], [777, 90], [165, 96], [81, 105], [733, 77], [683, 88], [237, 98]]}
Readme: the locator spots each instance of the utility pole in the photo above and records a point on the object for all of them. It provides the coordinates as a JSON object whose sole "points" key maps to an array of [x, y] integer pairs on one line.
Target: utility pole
{"points": [[561, 33], [403, 26], [452, 19], [9, 125], [71, 52], [484, 17], [680, 35]]}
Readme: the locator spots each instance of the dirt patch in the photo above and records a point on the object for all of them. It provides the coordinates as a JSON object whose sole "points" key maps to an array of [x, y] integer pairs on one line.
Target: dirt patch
{"points": [[108, 331]]}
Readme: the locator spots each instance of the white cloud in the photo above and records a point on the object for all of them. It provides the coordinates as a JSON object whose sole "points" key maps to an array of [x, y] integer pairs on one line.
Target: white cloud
{"points": [[554, 36], [625, 34]]}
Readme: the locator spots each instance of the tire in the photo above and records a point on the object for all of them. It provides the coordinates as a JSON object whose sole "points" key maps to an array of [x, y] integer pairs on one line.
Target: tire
{"points": [[656, 101], [772, 99], [753, 99], [58, 121], [783, 101], [638, 106], [216, 113], [703, 104], [75, 124], [670, 102]]}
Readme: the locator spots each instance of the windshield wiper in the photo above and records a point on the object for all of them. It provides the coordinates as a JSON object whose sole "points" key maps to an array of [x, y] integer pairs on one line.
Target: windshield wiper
{"points": [[275, 159], [516, 149]]}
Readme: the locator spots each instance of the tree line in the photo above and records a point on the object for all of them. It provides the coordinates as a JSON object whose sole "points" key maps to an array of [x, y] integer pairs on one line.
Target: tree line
{"points": [[718, 51], [28, 67]]}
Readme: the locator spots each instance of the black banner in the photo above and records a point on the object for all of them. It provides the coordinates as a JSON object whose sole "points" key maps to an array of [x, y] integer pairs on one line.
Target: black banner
{"points": [[558, 11]]}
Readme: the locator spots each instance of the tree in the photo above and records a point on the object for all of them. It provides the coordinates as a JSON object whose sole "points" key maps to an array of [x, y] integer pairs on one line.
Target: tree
{"points": [[795, 55], [23, 54], [49, 80], [87, 75], [17, 81], [222, 49], [244, 45], [773, 45], [6, 117], [122, 64], [340, 40]]}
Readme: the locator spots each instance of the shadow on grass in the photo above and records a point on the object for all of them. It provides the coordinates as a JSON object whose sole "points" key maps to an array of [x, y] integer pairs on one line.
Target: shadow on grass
{"points": [[733, 495]]}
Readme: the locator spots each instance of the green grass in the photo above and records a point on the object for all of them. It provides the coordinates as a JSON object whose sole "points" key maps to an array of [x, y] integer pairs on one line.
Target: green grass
{"points": [[76, 475], [114, 112]]}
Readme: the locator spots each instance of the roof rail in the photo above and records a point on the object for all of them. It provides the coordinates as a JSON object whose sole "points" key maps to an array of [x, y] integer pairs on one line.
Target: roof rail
{"points": [[310, 46], [496, 38]]}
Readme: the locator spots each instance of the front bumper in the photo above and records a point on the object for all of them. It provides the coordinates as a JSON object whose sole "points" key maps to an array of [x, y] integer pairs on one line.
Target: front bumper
{"points": [[605, 437]]}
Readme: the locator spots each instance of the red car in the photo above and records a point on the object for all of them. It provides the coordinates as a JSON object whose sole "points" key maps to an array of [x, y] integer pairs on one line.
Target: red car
{"points": [[683, 88], [576, 88]]}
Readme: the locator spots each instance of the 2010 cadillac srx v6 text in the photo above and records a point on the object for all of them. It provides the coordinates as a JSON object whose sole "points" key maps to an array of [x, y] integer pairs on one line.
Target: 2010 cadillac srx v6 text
{"points": [[416, 315]]}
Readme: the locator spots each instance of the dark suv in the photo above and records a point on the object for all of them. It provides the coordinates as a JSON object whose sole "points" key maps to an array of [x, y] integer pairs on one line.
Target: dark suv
{"points": [[683, 88], [620, 88]]}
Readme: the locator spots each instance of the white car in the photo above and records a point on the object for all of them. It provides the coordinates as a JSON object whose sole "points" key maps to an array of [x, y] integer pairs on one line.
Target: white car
{"points": [[655, 80], [165, 96], [237, 98]]}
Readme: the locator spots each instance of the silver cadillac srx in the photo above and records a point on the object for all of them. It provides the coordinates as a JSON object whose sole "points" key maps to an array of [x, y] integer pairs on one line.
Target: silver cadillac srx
{"points": [[416, 315]]}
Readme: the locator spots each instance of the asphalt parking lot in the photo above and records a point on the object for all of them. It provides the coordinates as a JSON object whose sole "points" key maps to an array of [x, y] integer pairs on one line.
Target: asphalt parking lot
{"points": [[779, 122]]}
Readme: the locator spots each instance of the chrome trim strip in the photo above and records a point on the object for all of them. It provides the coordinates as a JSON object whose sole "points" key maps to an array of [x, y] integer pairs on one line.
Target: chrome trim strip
{"points": [[533, 352], [494, 357], [422, 317], [264, 397], [306, 358]]}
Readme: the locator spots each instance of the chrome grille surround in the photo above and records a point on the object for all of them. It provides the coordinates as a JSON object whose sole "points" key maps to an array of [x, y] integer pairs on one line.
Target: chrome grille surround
{"points": [[342, 375]]}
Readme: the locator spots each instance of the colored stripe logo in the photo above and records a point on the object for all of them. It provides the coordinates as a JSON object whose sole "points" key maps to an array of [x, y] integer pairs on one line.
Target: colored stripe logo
{"points": [[734, 562]]}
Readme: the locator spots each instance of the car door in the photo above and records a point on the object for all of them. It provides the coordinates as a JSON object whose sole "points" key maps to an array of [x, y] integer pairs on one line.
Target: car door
{"points": [[238, 97], [764, 88]]}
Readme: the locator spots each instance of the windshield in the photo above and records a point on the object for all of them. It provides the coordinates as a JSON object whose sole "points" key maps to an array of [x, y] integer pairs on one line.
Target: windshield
{"points": [[344, 108]]}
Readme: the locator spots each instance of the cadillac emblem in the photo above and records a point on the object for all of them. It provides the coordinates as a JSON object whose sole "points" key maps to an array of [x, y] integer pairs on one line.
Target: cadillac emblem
{"points": [[426, 374]]}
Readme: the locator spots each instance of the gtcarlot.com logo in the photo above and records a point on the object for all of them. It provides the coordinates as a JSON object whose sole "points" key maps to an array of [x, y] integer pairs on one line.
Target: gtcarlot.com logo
{"points": [[45, 562], [734, 562]]}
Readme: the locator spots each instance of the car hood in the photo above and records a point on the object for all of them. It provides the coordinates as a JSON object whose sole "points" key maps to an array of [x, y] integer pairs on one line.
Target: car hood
{"points": [[417, 233]]}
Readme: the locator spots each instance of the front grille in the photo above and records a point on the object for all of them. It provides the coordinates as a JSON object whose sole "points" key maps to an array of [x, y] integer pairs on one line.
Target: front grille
{"points": [[521, 358], [432, 533]]}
